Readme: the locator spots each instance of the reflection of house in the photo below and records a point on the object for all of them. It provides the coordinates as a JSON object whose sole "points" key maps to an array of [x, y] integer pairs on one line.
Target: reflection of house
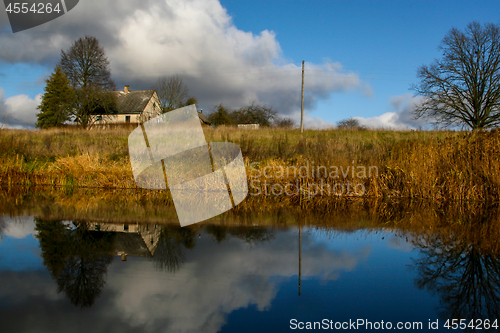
{"points": [[134, 239], [133, 107]]}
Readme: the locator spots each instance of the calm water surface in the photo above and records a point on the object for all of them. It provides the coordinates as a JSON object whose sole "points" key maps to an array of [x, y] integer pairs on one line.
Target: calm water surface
{"points": [[69, 276]]}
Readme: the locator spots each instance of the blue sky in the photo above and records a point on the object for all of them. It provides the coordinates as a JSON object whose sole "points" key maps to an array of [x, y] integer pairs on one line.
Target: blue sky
{"points": [[383, 41], [361, 56]]}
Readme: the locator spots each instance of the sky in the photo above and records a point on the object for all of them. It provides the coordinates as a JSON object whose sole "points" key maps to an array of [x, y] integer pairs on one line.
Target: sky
{"points": [[361, 57]]}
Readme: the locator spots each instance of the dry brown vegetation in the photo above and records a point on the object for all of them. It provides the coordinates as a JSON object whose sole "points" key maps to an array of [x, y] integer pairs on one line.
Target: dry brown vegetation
{"points": [[437, 165]]}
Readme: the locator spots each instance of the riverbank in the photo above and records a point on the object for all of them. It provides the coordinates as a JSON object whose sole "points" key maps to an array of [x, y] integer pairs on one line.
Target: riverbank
{"points": [[283, 166]]}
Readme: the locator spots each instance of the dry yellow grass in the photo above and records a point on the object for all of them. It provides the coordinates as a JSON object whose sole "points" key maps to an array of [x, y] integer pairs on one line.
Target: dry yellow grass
{"points": [[437, 165]]}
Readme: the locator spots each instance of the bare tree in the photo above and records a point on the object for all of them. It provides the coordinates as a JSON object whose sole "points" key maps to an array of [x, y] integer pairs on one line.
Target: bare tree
{"points": [[463, 88], [87, 68], [172, 92], [254, 114], [350, 124], [284, 122]]}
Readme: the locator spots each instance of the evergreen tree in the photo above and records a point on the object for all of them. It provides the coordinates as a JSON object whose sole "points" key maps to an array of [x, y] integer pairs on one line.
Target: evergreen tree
{"points": [[56, 101], [221, 116]]}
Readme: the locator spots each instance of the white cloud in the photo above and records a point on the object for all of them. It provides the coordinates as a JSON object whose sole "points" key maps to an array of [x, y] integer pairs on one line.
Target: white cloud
{"points": [[311, 122], [402, 116], [195, 39], [18, 111]]}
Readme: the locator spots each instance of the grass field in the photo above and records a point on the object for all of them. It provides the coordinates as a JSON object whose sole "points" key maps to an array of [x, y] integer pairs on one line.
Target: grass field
{"points": [[437, 165]]}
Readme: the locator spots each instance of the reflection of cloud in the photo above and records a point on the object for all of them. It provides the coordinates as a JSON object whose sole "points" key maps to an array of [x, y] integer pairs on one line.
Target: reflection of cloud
{"points": [[214, 281], [19, 251], [19, 226], [30, 302], [19, 287], [195, 39], [395, 242], [220, 279]]}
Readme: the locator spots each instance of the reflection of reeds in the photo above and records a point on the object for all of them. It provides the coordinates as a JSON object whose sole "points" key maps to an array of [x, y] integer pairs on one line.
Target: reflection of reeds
{"points": [[157, 206], [444, 166], [476, 223]]}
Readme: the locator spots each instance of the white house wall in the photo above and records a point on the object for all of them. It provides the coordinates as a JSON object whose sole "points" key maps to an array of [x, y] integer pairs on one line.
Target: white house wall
{"points": [[152, 109]]}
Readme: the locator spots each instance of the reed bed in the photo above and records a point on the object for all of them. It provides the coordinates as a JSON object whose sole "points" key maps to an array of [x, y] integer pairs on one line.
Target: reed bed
{"points": [[437, 165]]}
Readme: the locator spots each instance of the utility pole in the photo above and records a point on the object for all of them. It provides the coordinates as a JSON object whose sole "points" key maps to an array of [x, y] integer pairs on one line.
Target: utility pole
{"points": [[302, 102]]}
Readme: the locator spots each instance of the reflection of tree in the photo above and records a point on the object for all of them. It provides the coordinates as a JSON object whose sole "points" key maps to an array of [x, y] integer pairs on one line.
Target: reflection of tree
{"points": [[2, 228], [82, 279], [76, 258], [463, 272], [250, 235], [219, 233], [169, 255]]}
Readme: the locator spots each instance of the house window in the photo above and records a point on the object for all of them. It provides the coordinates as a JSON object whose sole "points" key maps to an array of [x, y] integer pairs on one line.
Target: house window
{"points": [[127, 119], [125, 227], [99, 118]]}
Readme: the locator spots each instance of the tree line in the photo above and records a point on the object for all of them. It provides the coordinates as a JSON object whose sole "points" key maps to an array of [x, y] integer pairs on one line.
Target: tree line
{"points": [[251, 114], [460, 89], [79, 87]]}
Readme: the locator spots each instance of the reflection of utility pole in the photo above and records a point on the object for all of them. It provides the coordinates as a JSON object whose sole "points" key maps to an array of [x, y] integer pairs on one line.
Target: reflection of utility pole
{"points": [[302, 102], [300, 255]]}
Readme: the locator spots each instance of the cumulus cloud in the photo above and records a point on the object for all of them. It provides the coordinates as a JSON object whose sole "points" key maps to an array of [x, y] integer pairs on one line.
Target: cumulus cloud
{"points": [[402, 116], [18, 111], [195, 39]]}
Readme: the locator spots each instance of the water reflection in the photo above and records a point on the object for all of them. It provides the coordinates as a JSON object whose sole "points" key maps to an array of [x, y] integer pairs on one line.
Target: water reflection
{"points": [[465, 277], [463, 272], [76, 258], [77, 254], [169, 255], [195, 278]]}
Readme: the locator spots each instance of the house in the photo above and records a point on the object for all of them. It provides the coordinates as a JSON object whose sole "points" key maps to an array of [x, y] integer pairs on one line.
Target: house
{"points": [[204, 120], [134, 107]]}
